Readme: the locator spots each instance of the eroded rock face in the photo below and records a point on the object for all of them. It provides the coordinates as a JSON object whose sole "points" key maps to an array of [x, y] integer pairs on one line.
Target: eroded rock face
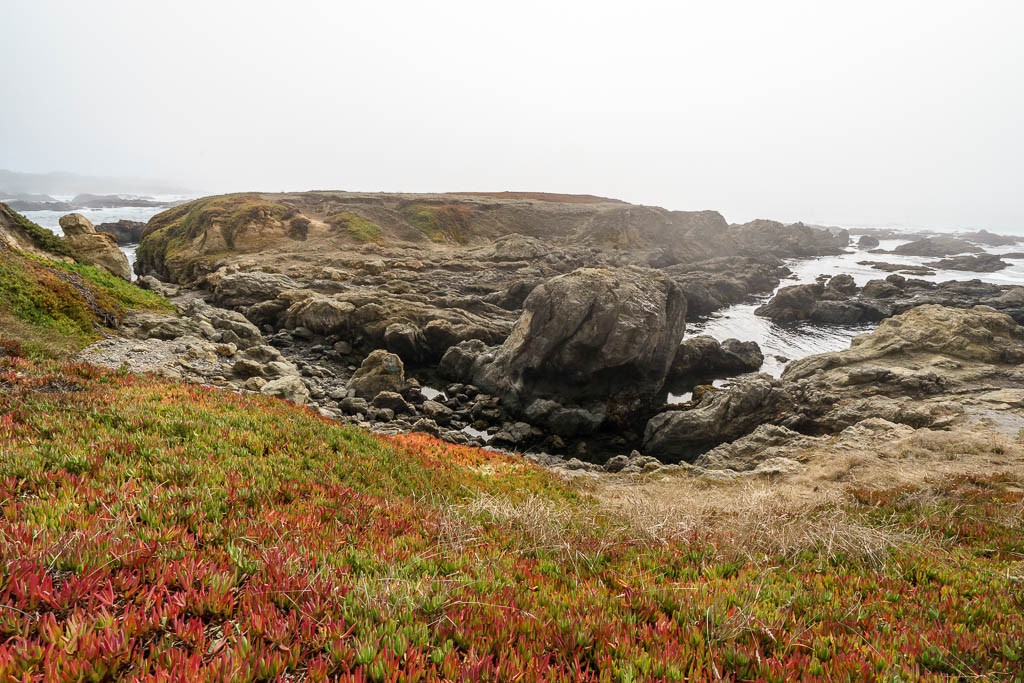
{"points": [[923, 368], [705, 357], [592, 336], [98, 249], [380, 371], [718, 417]]}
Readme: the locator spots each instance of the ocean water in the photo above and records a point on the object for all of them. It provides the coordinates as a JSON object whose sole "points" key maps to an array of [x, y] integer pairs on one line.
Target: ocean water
{"points": [[791, 341], [51, 219]]}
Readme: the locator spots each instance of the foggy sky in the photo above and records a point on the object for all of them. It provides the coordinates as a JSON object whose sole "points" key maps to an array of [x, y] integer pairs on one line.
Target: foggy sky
{"points": [[863, 113]]}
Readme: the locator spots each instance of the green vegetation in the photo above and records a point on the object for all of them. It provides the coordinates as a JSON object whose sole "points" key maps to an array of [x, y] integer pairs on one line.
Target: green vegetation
{"points": [[361, 228], [172, 231], [169, 531], [440, 222], [41, 237], [63, 306]]}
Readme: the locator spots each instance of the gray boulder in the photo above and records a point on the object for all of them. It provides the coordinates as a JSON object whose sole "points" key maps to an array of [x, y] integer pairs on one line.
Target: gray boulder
{"points": [[290, 388], [592, 336], [380, 371], [720, 416]]}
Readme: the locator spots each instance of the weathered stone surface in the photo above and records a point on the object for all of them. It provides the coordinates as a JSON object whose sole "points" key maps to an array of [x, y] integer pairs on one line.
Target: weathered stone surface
{"points": [[704, 357], [98, 249], [720, 416], [592, 335], [321, 315], [290, 388], [236, 290], [380, 371], [920, 369]]}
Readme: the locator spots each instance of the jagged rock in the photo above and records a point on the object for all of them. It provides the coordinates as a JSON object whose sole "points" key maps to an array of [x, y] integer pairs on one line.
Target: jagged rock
{"points": [[380, 371], [438, 412], [407, 341], [234, 327], [162, 288], [98, 249], [237, 290], [290, 388], [705, 356], [354, 405], [718, 417], [796, 302], [936, 247], [464, 360], [593, 335]]}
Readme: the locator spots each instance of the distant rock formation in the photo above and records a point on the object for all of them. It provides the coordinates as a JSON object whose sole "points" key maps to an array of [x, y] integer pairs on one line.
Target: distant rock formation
{"points": [[124, 231]]}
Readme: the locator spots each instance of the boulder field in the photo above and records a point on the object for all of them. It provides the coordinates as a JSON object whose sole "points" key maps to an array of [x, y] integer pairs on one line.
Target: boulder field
{"points": [[544, 323]]}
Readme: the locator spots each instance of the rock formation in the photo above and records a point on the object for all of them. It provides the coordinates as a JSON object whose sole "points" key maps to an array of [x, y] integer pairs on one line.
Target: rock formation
{"points": [[937, 247], [98, 249], [927, 367]]}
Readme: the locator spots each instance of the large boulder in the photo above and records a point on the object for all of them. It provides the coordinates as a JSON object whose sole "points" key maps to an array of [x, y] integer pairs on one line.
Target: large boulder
{"points": [[796, 302], [704, 357], [95, 248], [718, 417], [320, 314], [592, 336], [237, 290], [290, 387], [380, 371]]}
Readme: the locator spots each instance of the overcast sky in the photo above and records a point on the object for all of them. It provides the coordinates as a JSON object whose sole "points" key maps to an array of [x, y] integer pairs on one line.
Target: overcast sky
{"points": [[853, 113]]}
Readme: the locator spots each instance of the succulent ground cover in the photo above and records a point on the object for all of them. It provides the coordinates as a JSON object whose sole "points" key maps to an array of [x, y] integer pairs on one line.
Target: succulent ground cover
{"points": [[161, 531]]}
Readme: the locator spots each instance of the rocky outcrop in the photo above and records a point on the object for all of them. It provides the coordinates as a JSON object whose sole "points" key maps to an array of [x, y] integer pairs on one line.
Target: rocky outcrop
{"points": [[880, 299], [124, 231], [989, 239], [705, 357], [718, 417], [592, 336], [927, 367], [867, 242], [937, 247], [98, 249], [982, 263], [380, 371]]}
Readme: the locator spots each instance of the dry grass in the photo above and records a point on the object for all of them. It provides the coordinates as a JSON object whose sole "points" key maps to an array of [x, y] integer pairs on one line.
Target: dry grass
{"points": [[753, 521]]}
